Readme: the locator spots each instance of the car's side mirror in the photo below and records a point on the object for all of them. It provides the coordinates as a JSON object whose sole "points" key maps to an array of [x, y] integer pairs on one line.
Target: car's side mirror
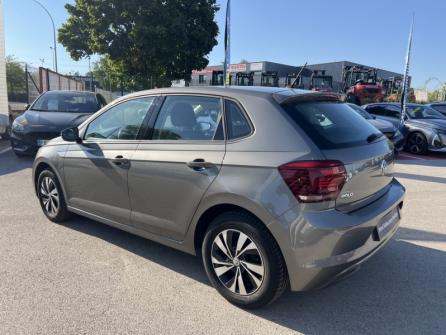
{"points": [[71, 135], [27, 107]]}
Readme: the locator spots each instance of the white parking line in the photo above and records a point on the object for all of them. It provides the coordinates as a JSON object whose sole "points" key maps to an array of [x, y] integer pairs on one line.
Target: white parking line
{"points": [[5, 150]]}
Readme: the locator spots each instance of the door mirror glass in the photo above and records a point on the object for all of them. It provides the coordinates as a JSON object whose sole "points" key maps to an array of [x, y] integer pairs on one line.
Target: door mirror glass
{"points": [[71, 134]]}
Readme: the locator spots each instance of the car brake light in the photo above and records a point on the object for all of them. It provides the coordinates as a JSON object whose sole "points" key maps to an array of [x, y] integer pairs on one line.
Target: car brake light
{"points": [[314, 181]]}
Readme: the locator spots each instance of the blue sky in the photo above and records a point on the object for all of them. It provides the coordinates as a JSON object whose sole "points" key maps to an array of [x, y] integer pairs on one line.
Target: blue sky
{"points": [[285, 31]]}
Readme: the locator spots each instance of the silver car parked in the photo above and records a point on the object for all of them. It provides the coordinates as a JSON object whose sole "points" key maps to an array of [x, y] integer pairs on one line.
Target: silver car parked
{"points": [[274, 187]]}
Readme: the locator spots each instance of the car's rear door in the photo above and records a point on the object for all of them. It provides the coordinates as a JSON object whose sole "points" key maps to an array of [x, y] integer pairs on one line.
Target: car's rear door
{"points": [[176, 163], [96, 170]]}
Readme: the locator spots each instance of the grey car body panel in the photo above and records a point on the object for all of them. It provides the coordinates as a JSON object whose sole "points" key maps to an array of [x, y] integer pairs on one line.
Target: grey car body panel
{"points": [[318, 241]]}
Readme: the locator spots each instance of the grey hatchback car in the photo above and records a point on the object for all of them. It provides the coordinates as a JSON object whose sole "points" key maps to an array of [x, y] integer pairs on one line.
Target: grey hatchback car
{"points": [[274, 187]]}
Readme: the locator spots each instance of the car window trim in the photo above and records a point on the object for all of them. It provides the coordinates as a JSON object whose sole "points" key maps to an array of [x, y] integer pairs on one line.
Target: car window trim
{"points": [[105, 140], [156, 113]]}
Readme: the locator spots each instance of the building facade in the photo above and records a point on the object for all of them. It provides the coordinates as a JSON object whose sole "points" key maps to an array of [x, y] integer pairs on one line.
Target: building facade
{"points": [[253, 73]]}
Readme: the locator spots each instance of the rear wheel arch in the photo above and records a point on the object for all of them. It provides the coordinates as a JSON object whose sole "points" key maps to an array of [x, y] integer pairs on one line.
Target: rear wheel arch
{"points": [[214, 211]]}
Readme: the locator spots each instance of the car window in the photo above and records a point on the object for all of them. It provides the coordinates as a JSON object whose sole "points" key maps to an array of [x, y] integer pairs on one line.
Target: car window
{"points": [[330, 125], [237, 124], [101, 100], [68, 102], [423, 112], [440, 108], [377, 110], [189, 118], [361, 111], [393, 112], [120, 122]]}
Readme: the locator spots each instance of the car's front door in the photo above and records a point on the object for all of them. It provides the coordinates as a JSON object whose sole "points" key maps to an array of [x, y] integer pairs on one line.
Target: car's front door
{"points": [[175, 165], [96, 170]]}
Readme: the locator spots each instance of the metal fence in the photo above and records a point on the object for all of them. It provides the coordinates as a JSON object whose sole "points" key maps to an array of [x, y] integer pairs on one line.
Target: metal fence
{"points": [[26, 83], [50, 80]]}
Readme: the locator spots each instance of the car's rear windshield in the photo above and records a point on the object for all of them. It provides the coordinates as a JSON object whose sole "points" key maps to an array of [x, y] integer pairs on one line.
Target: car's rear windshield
{"points": [[69, 102], [330, 125]]}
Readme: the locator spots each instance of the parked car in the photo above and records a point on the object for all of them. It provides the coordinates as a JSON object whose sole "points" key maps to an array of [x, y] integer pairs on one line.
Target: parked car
{"points": [[386, 127], [283, 188], [424, 129], [49, 114], [439, 107]]}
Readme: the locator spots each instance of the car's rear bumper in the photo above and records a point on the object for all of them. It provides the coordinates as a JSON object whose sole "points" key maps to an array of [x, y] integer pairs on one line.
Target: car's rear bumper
{"points": [[319, 247]]}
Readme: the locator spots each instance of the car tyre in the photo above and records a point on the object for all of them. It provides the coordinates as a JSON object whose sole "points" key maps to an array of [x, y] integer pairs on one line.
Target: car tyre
{"points": [[243, 261], [417, 144], [51, 197]]}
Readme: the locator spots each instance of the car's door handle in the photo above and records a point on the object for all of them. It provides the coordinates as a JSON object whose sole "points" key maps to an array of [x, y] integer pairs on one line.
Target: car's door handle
{"points": [[120, 160], [199, 164]]}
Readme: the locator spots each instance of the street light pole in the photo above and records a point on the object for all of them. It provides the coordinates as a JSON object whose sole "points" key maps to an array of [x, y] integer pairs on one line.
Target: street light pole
{"points": [[54, 31]]}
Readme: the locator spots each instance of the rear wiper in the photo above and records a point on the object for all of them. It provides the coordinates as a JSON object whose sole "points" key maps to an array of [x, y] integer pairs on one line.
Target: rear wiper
{"points": [[373, 137]]}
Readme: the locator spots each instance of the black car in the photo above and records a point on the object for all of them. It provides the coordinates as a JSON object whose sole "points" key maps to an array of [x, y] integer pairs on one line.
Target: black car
{"points": [[50, 113], [424, 128], [439, 107], [386, 127]]}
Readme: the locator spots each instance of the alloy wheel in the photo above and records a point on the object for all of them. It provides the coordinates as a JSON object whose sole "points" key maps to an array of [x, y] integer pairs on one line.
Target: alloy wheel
{"points": [[237, 262], [50, 196], [416, 142]]}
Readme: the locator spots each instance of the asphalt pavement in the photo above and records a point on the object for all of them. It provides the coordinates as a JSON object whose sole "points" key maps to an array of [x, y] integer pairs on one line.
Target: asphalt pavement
{"points": [[83, 277]]}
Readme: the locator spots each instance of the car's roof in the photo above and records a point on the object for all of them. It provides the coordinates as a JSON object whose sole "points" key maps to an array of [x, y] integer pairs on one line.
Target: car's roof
{"points": [[280, 94]]}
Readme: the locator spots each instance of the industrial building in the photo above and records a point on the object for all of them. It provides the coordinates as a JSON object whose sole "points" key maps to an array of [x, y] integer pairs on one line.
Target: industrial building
{"points": [[275, 74], [335, 69], [250, 74]]}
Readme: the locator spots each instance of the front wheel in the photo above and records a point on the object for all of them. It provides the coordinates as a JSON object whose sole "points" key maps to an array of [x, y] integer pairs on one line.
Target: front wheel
{"points": [[243, 261], [417, 144], [51, 197]]}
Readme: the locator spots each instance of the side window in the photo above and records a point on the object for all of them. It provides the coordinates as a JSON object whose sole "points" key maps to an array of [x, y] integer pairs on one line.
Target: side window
{"points": [[392, 112], [377, 110], [237, 124], [189, 118], [120, 122], [101, 100]]}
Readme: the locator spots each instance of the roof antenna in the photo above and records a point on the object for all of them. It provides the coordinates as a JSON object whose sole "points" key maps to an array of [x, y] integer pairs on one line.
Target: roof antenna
{"points": [[296, 80]]}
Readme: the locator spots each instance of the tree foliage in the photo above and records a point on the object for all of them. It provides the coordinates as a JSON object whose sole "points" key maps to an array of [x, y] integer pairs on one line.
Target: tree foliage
{"points": [[159, 39], [15, 76]]}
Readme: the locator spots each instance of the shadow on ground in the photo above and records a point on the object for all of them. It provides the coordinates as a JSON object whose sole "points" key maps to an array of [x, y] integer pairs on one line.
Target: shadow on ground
{"points": [[400, 290], [10, 163], [419, 177]]}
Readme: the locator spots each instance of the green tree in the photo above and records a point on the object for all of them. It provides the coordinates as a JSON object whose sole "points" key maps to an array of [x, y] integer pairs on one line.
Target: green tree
{"points": [[148, 40], [15, 77]]}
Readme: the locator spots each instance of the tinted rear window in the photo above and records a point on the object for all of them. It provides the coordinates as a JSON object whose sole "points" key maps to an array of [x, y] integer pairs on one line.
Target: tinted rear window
{"points": [[330, 125]]}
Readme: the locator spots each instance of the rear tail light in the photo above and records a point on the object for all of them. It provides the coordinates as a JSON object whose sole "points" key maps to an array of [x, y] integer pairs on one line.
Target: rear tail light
{"points": [[314, 181]]}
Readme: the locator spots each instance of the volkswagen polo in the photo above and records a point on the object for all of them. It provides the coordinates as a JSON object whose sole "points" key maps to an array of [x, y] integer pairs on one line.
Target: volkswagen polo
{"points": [[273, 187]]}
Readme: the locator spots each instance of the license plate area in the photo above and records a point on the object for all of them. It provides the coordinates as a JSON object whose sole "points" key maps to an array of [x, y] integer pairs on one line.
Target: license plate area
{"points": [[387, 223]]}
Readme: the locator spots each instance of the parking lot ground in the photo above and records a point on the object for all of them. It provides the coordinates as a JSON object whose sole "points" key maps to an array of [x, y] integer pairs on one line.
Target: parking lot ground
{"points": [[4, 146], [83, 277]]}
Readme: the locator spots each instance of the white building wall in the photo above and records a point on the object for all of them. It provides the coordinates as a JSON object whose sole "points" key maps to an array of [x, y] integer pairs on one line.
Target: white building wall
{"points": [[3, 88]]}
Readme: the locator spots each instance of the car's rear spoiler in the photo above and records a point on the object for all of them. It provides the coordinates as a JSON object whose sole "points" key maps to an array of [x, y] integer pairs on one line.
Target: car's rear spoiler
{"points": [[291, 96]]}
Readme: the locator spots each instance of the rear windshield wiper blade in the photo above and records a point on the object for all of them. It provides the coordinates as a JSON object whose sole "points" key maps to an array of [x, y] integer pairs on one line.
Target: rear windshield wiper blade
{"points": [[373, 137]]}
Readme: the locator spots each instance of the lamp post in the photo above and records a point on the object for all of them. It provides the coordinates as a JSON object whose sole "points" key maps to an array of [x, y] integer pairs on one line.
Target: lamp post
{"points": [[54, 32]]}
